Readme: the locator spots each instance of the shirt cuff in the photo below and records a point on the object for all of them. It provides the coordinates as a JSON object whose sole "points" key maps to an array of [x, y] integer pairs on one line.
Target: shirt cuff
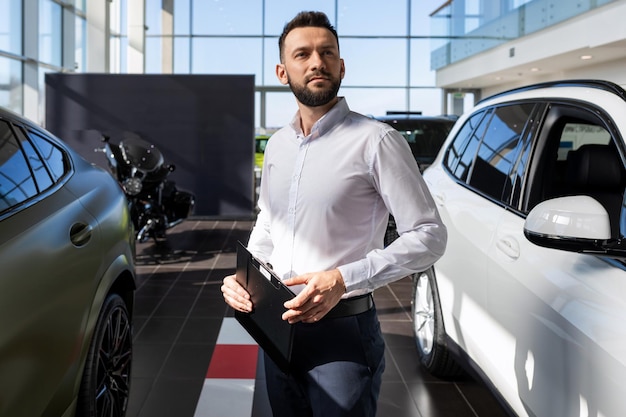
{"points": [[355, 275]]}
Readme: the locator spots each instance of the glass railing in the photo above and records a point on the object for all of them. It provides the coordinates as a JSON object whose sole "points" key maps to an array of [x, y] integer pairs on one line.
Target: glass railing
{"points": [[463, 28]]}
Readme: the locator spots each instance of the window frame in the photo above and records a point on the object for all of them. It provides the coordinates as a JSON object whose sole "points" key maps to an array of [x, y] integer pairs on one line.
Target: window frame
{"points": [[19, 131], [559, 113], [485, 115]]}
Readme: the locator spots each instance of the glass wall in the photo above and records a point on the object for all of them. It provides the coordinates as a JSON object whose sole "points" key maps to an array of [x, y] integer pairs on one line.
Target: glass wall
{"points": [[391, 51], [10, 51], [463, 28], [386, 49], [33, 38]]}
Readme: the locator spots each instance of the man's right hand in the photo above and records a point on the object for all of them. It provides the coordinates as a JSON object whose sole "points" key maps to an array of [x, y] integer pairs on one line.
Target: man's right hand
{"points": [[235, 295]]}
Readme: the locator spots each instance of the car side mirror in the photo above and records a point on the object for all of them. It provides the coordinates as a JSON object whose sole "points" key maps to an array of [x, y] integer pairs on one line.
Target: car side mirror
{"points": [[575, 224]]}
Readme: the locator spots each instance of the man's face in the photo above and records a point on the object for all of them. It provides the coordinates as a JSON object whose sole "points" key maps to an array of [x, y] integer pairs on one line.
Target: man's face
{"points": [[311, 65]]}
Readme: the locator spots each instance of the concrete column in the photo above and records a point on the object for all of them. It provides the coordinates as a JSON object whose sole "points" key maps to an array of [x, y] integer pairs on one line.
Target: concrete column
{"points": [[167, 30], [458, 100], [68, 60], [98, 36], [136, 36], [31, 67]]}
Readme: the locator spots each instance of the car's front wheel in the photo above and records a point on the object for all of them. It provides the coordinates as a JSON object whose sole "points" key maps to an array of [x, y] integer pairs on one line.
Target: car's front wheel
{"points": [[428, 329], [105, 386]]}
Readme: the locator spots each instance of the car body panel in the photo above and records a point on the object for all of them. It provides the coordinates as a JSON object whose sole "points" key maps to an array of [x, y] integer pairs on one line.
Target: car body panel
{"points": [[37, 327], [260, 142], [562, 317], [61, 252], [461, 299], [543, 326]]}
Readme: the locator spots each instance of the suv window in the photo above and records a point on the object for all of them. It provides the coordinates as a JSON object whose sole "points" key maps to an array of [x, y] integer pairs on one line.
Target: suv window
{"points": [[577, 155], [489, 147], [460, 154]]}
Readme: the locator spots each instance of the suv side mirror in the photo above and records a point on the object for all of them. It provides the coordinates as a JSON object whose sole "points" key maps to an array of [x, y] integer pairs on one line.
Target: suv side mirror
{"points": [[574, 224]]}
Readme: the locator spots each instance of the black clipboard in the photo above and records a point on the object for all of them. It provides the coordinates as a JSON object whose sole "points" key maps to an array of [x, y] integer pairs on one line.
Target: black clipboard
{"points": [[268, 294]]}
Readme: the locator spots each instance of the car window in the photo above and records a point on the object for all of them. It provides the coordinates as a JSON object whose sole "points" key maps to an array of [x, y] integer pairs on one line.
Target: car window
{"points": [[460, 154], [52, 155], [486, 150], [578, 155], [39, 170], [499, 150], [16, 181]]}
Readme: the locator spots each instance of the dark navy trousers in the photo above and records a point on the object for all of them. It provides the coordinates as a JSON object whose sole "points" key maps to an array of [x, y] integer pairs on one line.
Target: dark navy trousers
{"points": [[337, 367]]}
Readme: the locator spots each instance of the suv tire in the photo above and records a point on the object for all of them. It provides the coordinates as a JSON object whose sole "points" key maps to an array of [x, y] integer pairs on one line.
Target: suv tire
{"points": [[428, 330]]}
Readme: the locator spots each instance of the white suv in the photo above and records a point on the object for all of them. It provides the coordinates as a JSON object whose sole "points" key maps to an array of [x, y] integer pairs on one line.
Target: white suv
{"points": [[531, 292]]}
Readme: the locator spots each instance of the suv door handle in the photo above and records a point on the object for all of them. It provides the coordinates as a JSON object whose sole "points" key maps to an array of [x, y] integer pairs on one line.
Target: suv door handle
{"points": [[509, 247]]}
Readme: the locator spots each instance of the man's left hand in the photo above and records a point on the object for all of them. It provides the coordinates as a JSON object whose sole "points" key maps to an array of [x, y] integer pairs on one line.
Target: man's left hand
{"points": [[321, 293]]}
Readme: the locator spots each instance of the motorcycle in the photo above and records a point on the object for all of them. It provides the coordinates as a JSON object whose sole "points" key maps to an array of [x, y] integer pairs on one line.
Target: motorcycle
{"points": [[155, 203]]}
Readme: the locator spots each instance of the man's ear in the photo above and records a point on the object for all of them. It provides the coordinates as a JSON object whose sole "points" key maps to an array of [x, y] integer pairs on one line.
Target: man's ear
{"points": [[281, 73], [343, 69]]}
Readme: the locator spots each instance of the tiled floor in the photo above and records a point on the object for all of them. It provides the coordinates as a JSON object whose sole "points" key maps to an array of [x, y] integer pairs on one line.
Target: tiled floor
{"points": [[179, 313]]}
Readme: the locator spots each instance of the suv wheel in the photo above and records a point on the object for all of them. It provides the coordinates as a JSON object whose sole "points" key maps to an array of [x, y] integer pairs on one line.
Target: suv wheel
{"points": [[105, 386], [430, 337]]}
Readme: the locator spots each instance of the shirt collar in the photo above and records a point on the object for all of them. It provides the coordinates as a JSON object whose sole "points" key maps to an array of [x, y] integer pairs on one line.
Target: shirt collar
{"points": [[334, 116]]}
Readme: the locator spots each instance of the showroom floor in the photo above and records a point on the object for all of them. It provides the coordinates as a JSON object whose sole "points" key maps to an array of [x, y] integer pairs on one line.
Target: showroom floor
{"points": [[192, 359]]}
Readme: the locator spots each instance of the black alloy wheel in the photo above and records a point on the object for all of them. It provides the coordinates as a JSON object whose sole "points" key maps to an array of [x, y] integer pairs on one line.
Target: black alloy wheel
{"points": [[105, 387]]}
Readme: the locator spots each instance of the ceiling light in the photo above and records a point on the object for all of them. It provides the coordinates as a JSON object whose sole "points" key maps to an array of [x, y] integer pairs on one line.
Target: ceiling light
{"points": [[534, 69], [585, 57]]}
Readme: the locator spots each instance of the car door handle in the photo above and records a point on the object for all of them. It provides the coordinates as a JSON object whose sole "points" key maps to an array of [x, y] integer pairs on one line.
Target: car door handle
{"points": [[509, 247], [80, 234]]}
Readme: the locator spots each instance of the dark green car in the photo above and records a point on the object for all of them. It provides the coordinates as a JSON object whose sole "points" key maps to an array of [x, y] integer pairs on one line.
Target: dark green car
{"points": [[67, 282]]}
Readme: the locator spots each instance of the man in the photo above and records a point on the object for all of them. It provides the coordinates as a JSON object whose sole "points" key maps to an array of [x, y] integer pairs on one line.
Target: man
{"points": [[330, 180]]}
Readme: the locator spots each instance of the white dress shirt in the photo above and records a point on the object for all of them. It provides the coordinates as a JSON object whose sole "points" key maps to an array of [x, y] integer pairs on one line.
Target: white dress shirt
{"points": [[325, 201]]}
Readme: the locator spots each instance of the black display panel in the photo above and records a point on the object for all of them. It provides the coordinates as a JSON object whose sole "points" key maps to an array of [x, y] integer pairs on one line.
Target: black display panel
{"points": [[204, 124]]}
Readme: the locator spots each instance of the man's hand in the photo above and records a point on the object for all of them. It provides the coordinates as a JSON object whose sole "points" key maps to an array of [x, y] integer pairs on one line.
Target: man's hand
{"points": [[322, 292], [235, 295]]}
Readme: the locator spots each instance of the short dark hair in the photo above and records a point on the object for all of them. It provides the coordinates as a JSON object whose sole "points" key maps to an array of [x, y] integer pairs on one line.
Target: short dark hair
{"points": [[306, 19]]}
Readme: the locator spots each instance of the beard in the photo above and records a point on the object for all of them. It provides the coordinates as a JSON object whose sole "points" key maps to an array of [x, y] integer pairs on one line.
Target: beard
{"points": [[312, 98]]}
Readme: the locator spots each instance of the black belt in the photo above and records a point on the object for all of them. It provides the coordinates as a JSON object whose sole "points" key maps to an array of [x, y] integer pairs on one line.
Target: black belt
{"points": [[351, 306]]}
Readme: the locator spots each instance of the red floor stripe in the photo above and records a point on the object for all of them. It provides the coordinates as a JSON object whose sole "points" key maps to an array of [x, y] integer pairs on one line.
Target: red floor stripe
{"points": [[233, 361]]}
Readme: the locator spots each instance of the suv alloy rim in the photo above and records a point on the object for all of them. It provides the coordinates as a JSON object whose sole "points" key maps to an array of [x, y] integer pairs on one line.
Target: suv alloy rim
{"points": [[424, 313]]}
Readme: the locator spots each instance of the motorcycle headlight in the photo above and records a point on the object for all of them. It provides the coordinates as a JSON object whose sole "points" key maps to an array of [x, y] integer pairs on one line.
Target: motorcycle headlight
{"points": [[132, 186]]}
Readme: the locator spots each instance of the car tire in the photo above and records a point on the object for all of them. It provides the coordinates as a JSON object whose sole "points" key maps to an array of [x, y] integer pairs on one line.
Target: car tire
{"points": [[105, 386], [428, 329]]}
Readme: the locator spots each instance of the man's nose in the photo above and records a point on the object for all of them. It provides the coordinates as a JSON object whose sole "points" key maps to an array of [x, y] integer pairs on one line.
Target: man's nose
{"points": [[317, 62]]}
